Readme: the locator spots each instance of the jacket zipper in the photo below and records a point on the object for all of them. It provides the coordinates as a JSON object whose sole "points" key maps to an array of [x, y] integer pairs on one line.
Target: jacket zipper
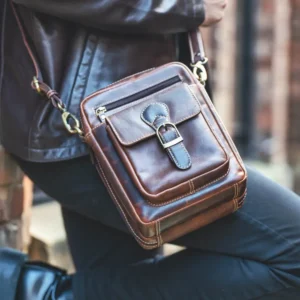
{"points": [[100, 111]]}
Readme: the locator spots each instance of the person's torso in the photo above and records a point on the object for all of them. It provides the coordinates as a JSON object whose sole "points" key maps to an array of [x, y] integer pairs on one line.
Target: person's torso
{"points": [[74, 60]]}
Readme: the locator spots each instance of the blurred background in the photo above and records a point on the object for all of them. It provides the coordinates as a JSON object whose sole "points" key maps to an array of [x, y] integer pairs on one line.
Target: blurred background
{"points": [[255, 63], [254, 56]]}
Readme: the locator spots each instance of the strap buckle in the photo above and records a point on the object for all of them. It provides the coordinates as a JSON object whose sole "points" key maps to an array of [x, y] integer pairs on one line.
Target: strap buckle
{"points": [[172, 143]]}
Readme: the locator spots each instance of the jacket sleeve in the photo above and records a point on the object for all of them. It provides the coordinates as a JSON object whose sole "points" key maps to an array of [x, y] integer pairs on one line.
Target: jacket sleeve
{"points": [[127, 16]]}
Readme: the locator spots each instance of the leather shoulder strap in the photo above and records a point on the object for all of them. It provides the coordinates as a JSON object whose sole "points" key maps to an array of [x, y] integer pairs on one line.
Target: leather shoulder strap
{"points": [[196, 47], [194, 37], [198, 60]]}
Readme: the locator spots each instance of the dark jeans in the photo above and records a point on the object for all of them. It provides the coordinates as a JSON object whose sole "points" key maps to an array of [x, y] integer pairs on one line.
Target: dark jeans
{"points": [[253, 254]]}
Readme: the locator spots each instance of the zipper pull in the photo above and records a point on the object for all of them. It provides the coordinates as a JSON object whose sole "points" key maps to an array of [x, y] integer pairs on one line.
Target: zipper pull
{"points": [[100, 113]]}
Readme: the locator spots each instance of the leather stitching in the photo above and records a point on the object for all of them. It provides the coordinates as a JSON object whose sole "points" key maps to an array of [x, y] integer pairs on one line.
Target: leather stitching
{"points": [[90, 133], [193, 187], [161, 204], [177, 163], [158, 103], [161, 239], [241, 201], [117, 202], [114, 84], [160, 219], [124, 81], [148, 135], [169, 150], [235, 208], [143, 98], [235, 193], [166, 216], [210, 126], [226, 139], [187, 154], [237, 200], [157, 234], [221, 127], [185, 195]]}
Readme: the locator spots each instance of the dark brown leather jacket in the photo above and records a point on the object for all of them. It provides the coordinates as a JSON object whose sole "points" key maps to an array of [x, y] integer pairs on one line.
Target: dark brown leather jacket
{"points": [[81, 46]]}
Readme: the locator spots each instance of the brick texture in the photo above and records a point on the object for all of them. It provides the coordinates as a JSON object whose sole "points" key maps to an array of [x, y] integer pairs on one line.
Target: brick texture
{"points": [[277, 76], [11, 202], [293, 134]]}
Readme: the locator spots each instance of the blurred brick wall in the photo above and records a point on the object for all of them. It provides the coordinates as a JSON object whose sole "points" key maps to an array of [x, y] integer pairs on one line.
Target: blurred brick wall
{"points": [[277, 76], [294, 92], [15, 199]]}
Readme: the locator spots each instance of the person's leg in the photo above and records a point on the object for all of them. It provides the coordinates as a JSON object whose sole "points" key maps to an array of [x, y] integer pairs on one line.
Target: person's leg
{"points": [[123, 272], [93, 244], [250, 254], [265, 230]]}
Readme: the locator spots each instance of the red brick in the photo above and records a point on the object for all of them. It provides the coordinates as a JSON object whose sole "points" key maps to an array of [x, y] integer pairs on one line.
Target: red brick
{"points": [[11, 202], [9, 171], [17, 201]]}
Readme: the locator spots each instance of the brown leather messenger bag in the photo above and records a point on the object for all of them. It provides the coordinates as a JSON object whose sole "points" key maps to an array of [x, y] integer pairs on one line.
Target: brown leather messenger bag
{"points": [[160, 148]]}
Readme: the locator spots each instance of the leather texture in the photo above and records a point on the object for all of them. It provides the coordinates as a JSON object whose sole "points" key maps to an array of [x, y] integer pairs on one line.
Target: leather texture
{"points": [[159, 201], [41, 281], [158, 144], [157, 116], [22, 280], [79, 48], [11, 263]]}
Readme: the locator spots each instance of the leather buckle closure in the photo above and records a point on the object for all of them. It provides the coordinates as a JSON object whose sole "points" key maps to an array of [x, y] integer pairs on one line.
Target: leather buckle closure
{"points": [[176, 141]]}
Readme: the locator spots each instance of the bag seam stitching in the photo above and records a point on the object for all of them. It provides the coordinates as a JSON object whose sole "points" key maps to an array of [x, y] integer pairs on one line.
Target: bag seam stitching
{"points": [[149, 135]]}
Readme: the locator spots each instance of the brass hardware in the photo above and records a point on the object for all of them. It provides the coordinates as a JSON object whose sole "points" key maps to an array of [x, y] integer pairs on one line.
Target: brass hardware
{"points": [[76, 128], [61, 108], [36, 84], [171, 143], [200, 71], [65, 115], [100, 112]]}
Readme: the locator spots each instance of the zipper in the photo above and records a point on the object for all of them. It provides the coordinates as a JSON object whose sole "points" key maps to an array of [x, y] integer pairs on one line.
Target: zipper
{"points": [[100, 111]]}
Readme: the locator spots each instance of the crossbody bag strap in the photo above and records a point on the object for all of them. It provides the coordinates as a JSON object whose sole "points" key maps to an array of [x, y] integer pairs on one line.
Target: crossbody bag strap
{"points": [[72, 124], [70, 121], [198, 58]]}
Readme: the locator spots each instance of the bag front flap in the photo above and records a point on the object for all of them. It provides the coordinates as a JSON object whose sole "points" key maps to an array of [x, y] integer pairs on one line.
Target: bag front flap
{"points": [[167, 145], [177, 104]]}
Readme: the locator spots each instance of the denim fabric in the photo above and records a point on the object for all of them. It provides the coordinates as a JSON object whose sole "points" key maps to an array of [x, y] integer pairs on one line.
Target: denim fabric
{"points": [[252, 254]]}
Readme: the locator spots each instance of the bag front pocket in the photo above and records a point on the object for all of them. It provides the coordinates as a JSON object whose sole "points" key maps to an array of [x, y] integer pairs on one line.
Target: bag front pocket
{"points": [[167, 144]]}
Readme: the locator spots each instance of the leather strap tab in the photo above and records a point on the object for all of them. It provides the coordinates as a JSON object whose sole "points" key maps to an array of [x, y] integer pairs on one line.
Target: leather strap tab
{"points": [[157, 116], [196, 47], [11, 263]]}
